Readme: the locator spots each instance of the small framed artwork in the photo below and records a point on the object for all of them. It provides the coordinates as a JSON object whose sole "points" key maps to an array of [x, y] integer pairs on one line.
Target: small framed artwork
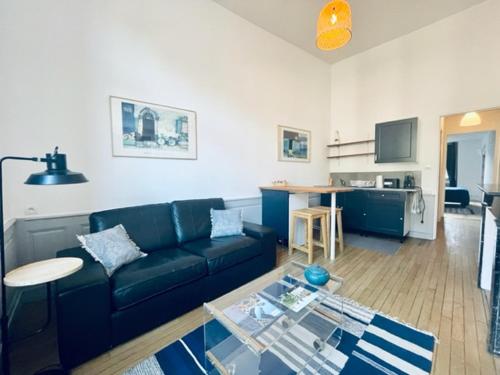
{"points": [[147, 130], [294, 144]]}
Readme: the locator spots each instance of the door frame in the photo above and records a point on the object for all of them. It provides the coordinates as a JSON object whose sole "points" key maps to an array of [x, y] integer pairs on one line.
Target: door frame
{"points": [[449, 125]]}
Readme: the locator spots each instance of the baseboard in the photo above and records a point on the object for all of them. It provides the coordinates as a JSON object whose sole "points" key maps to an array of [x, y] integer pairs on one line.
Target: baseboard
{"points": [[40, 237], [243, 202], [421, 235]]}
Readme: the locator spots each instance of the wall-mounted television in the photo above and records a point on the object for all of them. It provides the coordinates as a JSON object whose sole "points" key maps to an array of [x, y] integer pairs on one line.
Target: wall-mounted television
{"points": [[396, 141]]}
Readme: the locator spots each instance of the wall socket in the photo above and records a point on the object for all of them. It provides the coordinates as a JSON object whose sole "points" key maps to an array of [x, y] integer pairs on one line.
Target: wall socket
{"points": [[30, 211]]}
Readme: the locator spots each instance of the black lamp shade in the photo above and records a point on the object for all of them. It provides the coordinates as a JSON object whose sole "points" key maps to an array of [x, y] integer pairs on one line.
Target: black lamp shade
{"points": [[56, 178], [57, 173]]}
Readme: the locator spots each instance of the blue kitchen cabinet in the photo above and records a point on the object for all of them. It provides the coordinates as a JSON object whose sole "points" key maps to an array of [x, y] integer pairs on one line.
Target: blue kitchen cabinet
{"points": [[353, 211], [352, 204], [373, 210], [385, 212], [275, 213]]}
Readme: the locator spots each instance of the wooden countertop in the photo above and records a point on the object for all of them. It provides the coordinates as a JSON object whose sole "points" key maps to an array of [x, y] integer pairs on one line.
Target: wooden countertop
{"points": [[308, 189]]}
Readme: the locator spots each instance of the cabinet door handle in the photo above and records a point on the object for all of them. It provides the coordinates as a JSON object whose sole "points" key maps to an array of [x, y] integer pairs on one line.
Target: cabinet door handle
{"points": [[364, 214], [401, 218], [383, 195]]}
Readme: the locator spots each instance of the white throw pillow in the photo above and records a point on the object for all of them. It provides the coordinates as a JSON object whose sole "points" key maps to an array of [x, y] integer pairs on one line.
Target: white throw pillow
{"points": [[226, 223], [112, 247]]}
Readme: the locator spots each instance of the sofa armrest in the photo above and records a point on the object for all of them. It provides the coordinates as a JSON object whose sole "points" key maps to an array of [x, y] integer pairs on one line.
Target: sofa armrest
{"points": [[83, 311], [268, 237], [257, 231]]}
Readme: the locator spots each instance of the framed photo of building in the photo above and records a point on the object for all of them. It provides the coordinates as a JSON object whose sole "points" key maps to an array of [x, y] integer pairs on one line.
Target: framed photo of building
{"points": [[147, 130], [294, 144]]}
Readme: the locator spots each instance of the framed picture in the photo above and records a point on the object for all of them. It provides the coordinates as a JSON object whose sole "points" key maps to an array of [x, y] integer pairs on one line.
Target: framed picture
{"points": [[294, 144], [147, 130]]}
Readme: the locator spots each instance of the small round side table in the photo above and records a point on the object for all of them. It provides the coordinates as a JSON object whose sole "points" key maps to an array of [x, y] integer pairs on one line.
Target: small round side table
{"points": [[44, 272]]}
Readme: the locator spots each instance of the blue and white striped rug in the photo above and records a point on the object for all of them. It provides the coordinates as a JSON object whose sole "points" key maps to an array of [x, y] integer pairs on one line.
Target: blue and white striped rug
{"points": [[371, 343]]}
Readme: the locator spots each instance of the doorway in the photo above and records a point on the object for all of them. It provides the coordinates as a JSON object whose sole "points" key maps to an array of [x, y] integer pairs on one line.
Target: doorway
{"points": [[470, 156], [469, 162]]}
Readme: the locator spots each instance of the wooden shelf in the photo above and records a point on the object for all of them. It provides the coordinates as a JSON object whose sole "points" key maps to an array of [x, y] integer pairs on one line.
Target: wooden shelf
{"points": [[351, 143], [350, 155]]}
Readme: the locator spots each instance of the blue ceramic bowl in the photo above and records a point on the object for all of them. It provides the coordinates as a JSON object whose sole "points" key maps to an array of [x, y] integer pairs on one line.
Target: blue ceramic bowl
{"points": [[316, 275]]}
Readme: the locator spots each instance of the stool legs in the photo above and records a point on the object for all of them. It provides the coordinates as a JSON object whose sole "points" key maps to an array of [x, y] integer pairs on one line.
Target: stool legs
{"points": [[324, 232], [309, 215], [328, 223], [340, 231], [310, 243], [291, 240]]}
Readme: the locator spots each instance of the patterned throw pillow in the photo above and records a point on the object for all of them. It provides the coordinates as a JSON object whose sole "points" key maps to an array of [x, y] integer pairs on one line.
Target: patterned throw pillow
{"points": [[112, 247], [226, 223]]}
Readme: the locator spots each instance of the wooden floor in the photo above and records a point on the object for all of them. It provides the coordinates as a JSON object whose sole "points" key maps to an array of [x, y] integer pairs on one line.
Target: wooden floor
{"points": [[429, 284]]}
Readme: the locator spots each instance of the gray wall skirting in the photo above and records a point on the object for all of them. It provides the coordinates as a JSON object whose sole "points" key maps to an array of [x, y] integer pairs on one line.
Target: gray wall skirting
{"points": [[251, 208], [41, 238], [314, 199], [31, 239], [11, 262], [11, 246]]}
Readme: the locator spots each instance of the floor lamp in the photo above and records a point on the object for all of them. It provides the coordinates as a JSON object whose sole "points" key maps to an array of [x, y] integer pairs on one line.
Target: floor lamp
{"points": [[57, 173]]}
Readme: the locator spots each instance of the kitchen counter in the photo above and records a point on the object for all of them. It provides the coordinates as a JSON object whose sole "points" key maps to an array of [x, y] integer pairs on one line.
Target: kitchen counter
{"points": [[386, 189], [309, 189], [279, 202], [330, 189]]}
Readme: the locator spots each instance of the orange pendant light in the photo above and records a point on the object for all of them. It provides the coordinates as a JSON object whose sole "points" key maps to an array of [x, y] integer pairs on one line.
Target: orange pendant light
{"points": [[334, 28]]}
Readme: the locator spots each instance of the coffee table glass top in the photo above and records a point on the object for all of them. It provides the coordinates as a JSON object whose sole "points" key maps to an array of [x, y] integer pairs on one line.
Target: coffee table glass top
{"points": [[279, 314]]}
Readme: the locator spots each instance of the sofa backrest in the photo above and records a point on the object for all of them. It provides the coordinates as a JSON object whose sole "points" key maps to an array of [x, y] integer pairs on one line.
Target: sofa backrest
{"points": [[192, 218], [149, 226]]}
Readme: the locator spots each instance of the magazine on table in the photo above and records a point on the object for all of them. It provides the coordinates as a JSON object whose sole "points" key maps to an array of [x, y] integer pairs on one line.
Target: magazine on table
{"points": [[293, 296], [253, 313], [297, 298]]}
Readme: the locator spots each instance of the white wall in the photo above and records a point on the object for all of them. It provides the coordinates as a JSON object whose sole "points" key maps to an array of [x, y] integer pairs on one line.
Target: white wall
{"points": [[471, 146], [451, 66], [62, 59], [469, 166], [489, 161]]}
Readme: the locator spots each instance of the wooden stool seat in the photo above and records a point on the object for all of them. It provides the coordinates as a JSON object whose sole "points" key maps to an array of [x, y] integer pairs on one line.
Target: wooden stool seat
{"points": [[340, 230], [309, 215]]}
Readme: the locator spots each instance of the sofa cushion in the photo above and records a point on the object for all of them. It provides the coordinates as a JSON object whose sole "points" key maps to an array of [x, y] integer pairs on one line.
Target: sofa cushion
{"points": [[226, 223], [155, 274], [149, 226], [192, 218], [112, 247], [224, 252]]}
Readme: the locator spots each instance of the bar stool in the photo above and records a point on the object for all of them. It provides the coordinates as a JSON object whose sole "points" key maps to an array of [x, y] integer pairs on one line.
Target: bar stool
{"points": [[340, 230], [309, 215]]}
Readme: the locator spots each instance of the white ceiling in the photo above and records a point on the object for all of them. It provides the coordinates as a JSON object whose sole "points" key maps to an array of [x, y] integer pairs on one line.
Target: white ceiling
{"points": [[374, 21]]}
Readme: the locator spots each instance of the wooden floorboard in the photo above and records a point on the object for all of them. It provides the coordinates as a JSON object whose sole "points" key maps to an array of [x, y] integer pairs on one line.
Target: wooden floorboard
{"points": [[429, 284]]}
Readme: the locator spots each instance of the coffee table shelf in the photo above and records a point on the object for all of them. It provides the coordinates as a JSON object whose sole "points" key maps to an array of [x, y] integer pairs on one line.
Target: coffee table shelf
{"points": [[246, 328]]}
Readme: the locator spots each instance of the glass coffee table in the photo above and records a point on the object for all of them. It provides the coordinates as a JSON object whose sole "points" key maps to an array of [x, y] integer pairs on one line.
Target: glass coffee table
{"points": [[276, 323]]}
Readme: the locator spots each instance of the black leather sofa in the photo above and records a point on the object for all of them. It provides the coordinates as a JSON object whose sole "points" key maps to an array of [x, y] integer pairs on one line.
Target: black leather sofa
{"points": [[183, 269]]}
